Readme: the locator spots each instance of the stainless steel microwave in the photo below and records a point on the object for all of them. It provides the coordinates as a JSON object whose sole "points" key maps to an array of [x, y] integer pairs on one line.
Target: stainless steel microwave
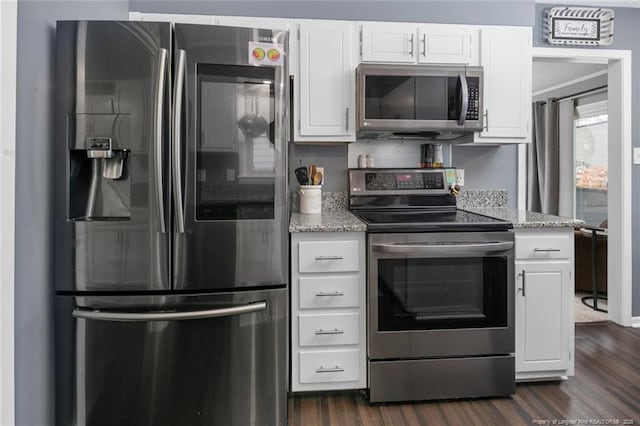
{"points": [[419, 98]]}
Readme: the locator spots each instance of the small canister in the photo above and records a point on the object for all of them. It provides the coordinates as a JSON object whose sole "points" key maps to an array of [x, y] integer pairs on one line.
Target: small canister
{"points": [[362, 161], [438, 158], [426, 156], [371, 161]]}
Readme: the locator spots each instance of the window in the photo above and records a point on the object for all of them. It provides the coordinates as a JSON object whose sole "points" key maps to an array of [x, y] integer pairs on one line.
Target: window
{"points": [[591, 162]]}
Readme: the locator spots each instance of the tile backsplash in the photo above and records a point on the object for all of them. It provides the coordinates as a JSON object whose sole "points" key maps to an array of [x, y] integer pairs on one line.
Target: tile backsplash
{"points": [[391, 152]]}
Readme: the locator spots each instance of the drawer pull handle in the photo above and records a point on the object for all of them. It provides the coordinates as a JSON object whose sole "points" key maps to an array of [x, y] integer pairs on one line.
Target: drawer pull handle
{"points": [[334, 331], [335, 293], [545, 250], [329, 257], [336, 369]]}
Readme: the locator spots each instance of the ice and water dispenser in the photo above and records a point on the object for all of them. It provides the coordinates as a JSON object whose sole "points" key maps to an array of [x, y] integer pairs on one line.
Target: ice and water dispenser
{"points": [[99, 184]]}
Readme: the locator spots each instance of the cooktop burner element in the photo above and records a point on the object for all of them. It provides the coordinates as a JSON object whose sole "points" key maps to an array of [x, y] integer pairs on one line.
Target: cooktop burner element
{"points": [[412, 200]]}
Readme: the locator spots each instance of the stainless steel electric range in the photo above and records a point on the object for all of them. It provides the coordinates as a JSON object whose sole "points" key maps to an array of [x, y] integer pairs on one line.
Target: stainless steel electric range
{"points": [[440, 290]]}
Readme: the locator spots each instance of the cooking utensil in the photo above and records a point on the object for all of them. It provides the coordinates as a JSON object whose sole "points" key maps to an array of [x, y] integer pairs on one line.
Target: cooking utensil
{"points": [[317, 178], [301, 175], [312, 173]]}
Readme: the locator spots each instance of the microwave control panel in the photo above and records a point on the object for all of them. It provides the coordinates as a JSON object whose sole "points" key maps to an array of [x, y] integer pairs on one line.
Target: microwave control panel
{"points": [[473, 111]]}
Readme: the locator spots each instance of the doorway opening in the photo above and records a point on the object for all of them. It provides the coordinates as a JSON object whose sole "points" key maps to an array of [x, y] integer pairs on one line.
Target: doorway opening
{"points": [[592, 192]]}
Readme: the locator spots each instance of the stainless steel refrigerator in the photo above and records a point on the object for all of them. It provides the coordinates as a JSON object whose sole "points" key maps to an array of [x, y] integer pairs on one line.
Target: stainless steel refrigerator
{"points": [[171, 246]]}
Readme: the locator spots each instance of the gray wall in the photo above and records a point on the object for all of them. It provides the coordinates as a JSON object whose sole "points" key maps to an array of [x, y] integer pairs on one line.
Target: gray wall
{"points": [[519, 12], [626, 36], [34, 145]]}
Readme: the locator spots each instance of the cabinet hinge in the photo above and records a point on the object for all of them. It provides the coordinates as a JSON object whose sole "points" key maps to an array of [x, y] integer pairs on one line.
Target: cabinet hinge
{"points": [[298, 33]]}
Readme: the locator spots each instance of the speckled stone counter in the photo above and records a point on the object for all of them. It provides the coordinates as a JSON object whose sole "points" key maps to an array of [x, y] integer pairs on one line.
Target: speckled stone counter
{"points": [[526, 219], [482, 198], [340, 220]]}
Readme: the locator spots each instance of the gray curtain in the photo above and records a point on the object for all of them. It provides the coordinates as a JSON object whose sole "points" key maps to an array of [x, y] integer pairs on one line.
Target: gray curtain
{"points": [[542, 159]]}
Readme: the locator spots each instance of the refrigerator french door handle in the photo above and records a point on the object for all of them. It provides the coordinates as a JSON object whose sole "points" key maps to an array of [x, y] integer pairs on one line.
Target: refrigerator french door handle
{"points": [[162, 75], [464, 95], [176, 165], [100, 315]]}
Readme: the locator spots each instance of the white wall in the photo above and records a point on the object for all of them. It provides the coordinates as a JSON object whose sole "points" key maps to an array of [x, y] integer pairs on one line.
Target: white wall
{"points": [[8, 29]]}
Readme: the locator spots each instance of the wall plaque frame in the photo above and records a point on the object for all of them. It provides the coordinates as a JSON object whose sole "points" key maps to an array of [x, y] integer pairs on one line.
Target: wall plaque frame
{"points": [[579, 26]]}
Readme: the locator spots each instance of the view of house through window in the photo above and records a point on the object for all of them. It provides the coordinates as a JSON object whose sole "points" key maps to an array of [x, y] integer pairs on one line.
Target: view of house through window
{"points": [[591, 163]]}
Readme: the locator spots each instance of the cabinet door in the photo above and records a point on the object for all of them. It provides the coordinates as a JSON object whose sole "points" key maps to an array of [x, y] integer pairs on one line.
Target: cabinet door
{"points": [[388, 42], [444, 44], [505, 54], [543, 316], [325, 94]]}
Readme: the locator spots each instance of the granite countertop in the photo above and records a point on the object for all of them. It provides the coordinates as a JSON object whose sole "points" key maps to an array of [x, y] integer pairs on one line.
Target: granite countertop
{"points": [[526, 219], [338, 220], [335, 216]]}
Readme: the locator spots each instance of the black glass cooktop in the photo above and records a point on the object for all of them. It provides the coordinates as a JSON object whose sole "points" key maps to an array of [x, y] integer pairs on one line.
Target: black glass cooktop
{"points": [[429, 221]]}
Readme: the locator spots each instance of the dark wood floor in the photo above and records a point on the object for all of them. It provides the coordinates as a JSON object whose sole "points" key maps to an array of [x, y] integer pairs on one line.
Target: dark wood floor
{"points": [[604, 390]]}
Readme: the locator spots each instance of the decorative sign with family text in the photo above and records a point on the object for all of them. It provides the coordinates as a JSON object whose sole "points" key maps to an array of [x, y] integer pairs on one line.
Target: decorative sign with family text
{"points": [[589, 26]]}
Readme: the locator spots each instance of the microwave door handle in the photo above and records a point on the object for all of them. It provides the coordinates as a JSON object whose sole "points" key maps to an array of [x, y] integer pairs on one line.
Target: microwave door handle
{"points": [[443, 249], [464, 101], [176, 165]]}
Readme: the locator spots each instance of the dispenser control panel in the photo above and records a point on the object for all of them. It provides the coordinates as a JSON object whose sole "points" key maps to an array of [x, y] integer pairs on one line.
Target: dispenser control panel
{"points": [[99, 147]]}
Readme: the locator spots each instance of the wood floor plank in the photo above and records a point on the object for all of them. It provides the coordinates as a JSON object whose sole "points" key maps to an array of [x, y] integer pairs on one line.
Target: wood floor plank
{"points": [[606, 386]]}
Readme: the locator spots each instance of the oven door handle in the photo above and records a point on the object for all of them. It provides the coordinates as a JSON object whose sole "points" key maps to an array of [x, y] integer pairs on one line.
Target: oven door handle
{"points": [[443, 248]]}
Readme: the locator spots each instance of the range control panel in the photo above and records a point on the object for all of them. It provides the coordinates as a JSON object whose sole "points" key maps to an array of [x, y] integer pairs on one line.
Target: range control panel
{"points": [[397, 181]]}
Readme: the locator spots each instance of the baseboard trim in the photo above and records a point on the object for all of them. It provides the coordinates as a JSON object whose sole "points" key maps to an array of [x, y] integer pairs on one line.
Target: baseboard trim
{"points": [[635, 322]]}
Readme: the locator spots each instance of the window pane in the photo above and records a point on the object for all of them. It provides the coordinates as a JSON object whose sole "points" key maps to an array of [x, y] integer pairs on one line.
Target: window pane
{"points": [[591, 166], [235, 155]]}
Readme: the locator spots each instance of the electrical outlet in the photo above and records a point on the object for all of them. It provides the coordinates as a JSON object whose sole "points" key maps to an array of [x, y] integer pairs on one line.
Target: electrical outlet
{"points": [[231, 175], [460, 177], [636, 155]]}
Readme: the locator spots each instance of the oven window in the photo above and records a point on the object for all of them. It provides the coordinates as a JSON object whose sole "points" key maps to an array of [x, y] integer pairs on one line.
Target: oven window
{"points": [[442, 293]]}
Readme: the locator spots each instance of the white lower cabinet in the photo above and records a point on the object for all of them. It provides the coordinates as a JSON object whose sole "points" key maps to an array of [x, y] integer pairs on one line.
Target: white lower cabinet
{"points": [[328, 334], [544, 303]]}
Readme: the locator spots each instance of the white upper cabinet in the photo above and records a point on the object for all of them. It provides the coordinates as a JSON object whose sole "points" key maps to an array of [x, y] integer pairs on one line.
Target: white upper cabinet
{"points": [[445, 44], [417, 43], [388, 42], [324, 92], [179, 18], [505, 55]]}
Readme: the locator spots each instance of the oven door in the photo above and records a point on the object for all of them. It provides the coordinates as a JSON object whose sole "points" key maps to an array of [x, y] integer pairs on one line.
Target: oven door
{"points": [[440, 294]]}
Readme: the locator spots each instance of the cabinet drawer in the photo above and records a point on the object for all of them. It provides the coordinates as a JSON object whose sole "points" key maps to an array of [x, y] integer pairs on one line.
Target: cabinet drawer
{"points": [[334, 366], [328, 329], [543, 247], [329, 292], [328, 256]]}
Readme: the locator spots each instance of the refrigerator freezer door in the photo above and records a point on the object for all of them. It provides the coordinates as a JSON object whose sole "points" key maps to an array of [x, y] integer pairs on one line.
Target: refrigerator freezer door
{"points": [[112, 217], [194, 360], [230, 157]]}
